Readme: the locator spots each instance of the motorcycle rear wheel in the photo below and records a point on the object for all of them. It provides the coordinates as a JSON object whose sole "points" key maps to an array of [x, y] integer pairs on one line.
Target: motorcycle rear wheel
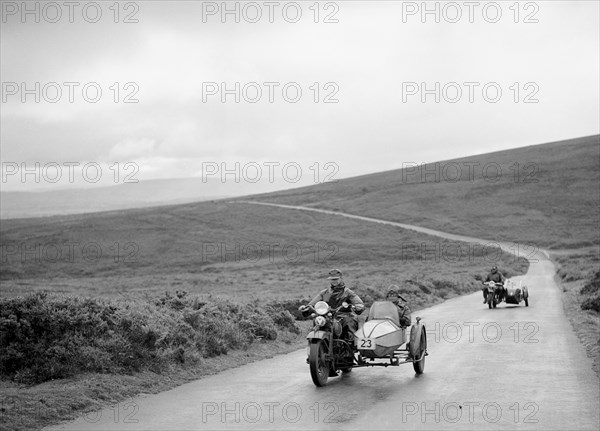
{"points": [[319, 367]]}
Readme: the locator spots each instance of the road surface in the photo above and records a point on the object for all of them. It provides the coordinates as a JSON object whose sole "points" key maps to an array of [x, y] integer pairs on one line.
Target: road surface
{"points": [[508, 368]]}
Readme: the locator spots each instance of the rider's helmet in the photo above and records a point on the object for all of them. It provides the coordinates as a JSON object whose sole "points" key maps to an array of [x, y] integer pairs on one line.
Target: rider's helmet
{"points": [[393, 294], [494, 269], [335, 276]]}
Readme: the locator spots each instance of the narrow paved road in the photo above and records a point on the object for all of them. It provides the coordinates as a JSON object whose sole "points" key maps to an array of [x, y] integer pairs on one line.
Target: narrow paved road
{"points": [[509, 368]]}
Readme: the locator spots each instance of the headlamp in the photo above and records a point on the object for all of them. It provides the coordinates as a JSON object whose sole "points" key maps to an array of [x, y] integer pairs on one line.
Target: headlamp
{"points": [[321, 307]]}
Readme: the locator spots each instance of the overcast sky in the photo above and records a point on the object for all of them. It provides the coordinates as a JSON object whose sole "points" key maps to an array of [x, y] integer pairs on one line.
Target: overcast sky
{"points": [[366, 57]]}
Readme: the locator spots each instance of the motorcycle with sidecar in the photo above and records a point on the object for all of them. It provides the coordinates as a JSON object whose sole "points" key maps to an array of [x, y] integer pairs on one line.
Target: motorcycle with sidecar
{"points": [[379, 341], [507, 292]]}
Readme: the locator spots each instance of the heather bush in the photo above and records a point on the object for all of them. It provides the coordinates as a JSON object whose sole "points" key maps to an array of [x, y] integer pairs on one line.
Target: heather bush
{"points": [[592, 303], [592, 285], [47, 336], [591, 292]]}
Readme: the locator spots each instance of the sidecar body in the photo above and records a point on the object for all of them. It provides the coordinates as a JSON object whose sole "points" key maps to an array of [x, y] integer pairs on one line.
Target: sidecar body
{"points": [[381, 335], [516, 293]]}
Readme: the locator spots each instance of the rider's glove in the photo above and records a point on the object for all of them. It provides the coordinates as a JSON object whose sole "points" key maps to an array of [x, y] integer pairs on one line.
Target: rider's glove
{"points": [[305, 310], [359, 308]]}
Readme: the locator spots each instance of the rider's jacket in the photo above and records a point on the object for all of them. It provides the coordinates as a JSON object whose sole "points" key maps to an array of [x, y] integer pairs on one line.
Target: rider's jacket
{"points": [[335, 298], [403, 314], [496, 278]]}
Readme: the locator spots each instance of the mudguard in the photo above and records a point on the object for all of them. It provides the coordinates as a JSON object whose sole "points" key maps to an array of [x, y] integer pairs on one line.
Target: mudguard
{"points": [[319, 335], [415, 347]]}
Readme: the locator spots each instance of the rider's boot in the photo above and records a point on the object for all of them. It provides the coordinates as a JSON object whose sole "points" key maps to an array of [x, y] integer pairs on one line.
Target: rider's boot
{"points": [[360, 359]]}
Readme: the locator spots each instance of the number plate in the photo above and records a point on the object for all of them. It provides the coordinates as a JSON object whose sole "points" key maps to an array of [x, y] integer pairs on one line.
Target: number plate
{"points": [[366, 344]]}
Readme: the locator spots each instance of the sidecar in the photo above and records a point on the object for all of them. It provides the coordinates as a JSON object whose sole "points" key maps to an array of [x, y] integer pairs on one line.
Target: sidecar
{"points": [[380, 339], [516, 293]]}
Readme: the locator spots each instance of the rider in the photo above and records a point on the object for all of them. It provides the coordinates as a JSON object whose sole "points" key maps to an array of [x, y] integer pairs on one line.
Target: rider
{"points": [[337, 294], [393, 295], [497, 277]]}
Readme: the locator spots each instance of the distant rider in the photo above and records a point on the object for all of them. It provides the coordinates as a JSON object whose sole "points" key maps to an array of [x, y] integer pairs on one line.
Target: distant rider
{"points": [[393, 295], [497, 277], [335, 295]]}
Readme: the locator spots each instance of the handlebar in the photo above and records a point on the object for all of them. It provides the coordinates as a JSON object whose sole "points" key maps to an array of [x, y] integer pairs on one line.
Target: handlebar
{"points": [[309, 308]]}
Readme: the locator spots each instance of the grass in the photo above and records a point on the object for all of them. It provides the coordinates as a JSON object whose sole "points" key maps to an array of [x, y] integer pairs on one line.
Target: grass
{"points": [[250, 252], [547, 195]]}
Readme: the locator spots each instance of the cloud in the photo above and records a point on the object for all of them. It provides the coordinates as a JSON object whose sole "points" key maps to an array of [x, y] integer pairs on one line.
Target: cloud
{"points": [[369, 53], [129, 149]]}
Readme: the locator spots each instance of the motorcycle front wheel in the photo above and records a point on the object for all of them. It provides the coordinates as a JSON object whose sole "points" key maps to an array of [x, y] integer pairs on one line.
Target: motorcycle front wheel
{"points": [[319, 367]]}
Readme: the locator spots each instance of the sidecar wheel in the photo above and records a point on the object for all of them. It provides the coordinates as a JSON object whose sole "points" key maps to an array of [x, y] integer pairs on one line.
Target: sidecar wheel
{"points": [[417, 346], [319, 367], [526, 302]]}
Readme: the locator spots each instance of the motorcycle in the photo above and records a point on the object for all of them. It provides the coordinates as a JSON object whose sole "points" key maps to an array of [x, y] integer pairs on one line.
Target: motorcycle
{"points": [[327, 352], [494, 293], [376, 343]]}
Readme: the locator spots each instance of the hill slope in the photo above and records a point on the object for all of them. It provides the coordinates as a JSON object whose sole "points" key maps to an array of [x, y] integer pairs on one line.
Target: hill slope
{"points": [[547, 195]]}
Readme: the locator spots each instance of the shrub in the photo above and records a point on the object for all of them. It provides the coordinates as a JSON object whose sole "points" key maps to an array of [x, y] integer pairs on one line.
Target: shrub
{"points": [[47, 336], [592, 286], [289, 305], [592, 303], [284, 319], [591, 292]]}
